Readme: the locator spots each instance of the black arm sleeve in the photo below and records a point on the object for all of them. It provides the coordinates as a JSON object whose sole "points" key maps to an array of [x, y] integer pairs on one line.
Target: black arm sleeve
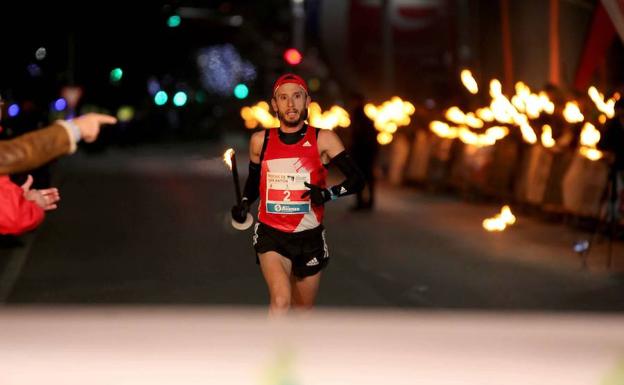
{"points": [[252, 186], [355, 179]]}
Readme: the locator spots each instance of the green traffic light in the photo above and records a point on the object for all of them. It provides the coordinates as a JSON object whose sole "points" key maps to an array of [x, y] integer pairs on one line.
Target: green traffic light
{"points": [[161, 98], [116, 74], [180, 98], [174, 21], [241, 91]]}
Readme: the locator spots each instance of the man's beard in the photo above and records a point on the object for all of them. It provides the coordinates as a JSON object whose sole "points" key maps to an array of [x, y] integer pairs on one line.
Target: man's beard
{"points": [[302, 117]]}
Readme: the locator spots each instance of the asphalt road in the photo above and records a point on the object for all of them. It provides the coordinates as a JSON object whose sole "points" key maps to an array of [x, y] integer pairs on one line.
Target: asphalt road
{"points": [[150, 226]]}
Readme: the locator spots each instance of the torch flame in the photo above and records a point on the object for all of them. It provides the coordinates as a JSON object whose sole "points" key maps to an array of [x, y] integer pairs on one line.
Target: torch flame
{"points": [[227, 157], [469, 81], [485, 114], [545, 104], [473, 121], [572, 113], [494, 224], [591, 153], [590, 136], [496, 88], [528, 134], [443, 130], [507, 216], [500, 221], [468, 137], [384, 138], [497, 132], [455, 115], [608, 107], [547, 139]]}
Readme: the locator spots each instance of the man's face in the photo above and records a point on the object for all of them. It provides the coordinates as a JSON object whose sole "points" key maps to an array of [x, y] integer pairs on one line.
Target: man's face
{"points": [[291, 104]]}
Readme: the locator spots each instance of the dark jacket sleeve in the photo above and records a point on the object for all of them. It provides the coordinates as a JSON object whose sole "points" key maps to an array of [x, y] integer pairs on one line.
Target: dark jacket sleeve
{"points": [[34, 149]]}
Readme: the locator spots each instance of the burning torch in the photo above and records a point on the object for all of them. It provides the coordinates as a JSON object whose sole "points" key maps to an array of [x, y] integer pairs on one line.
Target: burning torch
{"points": [[229, 157]]}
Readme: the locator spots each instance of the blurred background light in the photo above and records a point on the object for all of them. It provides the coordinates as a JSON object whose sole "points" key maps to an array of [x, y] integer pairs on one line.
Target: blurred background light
{"points": [[221, 68], [174, 21], [180, 98], [13, 110], [125, 113], [34, 70], [41, 53], [60, 104], [153, 86], [161, 98], [241, 91], [116, 74], [292, 56]]}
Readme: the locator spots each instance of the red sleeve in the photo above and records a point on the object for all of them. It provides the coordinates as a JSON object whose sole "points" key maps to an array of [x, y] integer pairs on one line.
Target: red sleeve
{"points": [[17, 214]]}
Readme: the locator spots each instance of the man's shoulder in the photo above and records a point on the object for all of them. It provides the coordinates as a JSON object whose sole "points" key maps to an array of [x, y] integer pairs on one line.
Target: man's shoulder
{"points": [[257, 139], [258, 136], [326, 136], [260, 133]]}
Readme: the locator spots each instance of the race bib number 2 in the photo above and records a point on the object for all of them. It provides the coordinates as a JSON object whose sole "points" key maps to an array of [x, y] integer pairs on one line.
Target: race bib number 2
{"points": [[284, 192]]}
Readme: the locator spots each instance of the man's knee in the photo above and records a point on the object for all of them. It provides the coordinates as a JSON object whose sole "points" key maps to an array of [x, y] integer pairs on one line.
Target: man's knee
{"points": [[281, 301]]}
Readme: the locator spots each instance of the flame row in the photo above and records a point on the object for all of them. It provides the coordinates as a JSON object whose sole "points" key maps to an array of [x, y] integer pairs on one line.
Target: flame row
{"points": [[523, 106], [389, 116], [467, 136], [260, 114]]}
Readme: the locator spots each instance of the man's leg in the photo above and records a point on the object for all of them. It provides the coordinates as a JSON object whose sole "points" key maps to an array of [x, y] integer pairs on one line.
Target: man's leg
{"points": [[304, 290], [276, 270]]}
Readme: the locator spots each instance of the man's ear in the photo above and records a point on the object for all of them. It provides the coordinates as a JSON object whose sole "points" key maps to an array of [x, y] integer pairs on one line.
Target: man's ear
{"points": [[274, 105], [308, 100]]}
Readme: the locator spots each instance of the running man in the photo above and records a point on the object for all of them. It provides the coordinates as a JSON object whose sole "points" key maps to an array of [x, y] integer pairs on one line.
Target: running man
{"points": [[287, 171]]}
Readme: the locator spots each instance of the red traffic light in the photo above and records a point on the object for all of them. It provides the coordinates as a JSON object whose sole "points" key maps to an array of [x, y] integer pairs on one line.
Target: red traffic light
{"points": [[292, 56]]}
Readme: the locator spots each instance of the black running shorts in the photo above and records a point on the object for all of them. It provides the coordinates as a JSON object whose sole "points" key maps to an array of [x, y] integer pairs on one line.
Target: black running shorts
{"points": [[306, 249]]}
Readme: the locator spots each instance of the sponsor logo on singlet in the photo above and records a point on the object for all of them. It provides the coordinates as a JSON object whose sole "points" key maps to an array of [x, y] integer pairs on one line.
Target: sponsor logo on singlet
{"points": [[283, 193]]}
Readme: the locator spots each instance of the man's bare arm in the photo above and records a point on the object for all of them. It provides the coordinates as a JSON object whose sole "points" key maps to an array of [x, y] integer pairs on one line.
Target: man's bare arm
{"points": [[255, 146], [329, 145], [332, 151]]}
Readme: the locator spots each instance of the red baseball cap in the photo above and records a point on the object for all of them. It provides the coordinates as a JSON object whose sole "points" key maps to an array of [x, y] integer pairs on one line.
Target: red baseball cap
{"points": [[290, 78]]}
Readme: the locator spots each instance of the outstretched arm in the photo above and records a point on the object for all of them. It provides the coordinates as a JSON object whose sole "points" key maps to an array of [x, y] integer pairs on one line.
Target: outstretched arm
{"points": [[31, 150]]}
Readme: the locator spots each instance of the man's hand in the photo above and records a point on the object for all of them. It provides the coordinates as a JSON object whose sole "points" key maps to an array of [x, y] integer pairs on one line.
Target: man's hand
{"points": [[239, 212], [90, 123], [45, 198], [318, 195]]}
